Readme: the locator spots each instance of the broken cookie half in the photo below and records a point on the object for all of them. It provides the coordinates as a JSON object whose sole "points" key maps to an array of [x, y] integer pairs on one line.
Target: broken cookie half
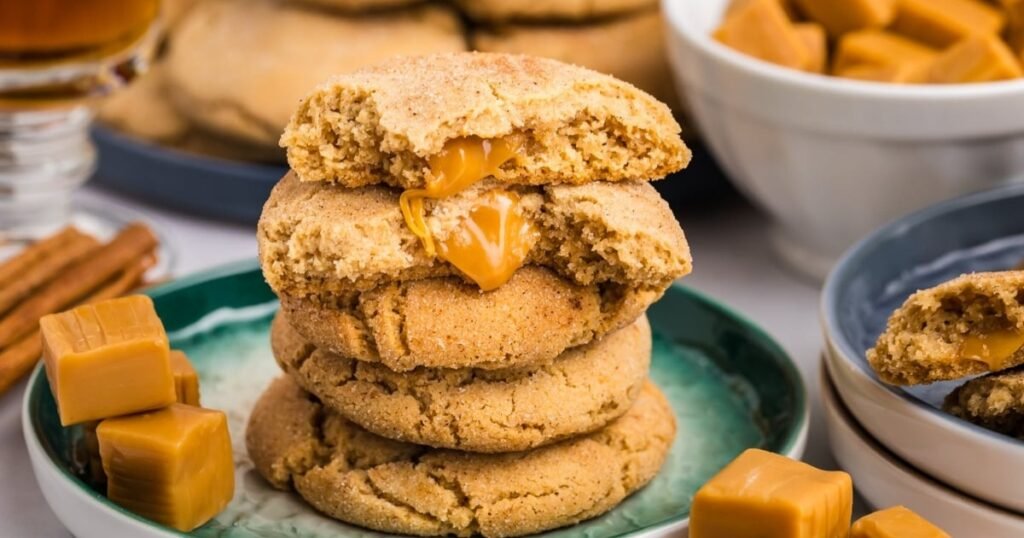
{"points": [[968, 326]]}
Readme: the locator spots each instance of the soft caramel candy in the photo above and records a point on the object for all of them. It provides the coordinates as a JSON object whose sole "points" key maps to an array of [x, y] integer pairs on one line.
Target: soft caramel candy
{"points": [[186, 382], [173, 466], [941, 23], [896, 522], [1015, 25], [975, 59], [764, 495], [841, 16], [995, 349], [897, 74], [492, 242], [761, 28], [880, 48], [813, 37], [460, 164], [107, 359]]}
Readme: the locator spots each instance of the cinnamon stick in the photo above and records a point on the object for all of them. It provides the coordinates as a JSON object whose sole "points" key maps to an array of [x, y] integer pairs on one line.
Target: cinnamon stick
{"points": [[75, 284], [17, 360], [18, 265], [46, 268]]}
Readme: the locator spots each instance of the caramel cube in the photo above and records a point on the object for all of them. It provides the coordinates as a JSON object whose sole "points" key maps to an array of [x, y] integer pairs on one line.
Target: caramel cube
{"points": [[895, 522], [761, 28], [186, 382], [107, 359], [841, 16], [941, 23], [173, 466], [814, 39], [975, 59], [880, 48], [1014, 24], [764, 495]]}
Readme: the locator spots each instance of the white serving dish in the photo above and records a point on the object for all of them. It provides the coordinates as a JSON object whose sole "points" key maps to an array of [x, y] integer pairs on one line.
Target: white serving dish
{"points": [[979, 462], [830, 159], [884, 480]]}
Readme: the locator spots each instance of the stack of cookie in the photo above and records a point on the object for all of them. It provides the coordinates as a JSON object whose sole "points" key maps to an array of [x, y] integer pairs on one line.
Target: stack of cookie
{"points": [[464, 251]]}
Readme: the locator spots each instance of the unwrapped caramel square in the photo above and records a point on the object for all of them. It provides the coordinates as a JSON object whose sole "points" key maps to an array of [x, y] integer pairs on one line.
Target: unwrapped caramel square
{"points": [[841, 16], [974, 59], [765, 495], [107, 359], [761, 28], [880, 48], [895, 522], [173, 465], [186, 381], [941, 23]]}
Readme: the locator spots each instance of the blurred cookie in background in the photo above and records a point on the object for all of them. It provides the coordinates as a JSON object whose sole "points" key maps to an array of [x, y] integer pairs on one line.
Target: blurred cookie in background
{"points": [[238, 67], [631, 47], [143, 110], [549, 10], [355, 6]]}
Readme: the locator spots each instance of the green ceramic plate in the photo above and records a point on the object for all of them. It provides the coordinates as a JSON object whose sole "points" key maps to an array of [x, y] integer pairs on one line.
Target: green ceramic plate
{"points": [[731, 386]]}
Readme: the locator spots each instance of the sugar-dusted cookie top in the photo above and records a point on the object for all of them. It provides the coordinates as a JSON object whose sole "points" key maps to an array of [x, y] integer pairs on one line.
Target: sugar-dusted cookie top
{"points": [[549, 10], [471, 409], [994, 401], [322, 240], [347, 473], [239, 67], [565, 123], [970, 325]]}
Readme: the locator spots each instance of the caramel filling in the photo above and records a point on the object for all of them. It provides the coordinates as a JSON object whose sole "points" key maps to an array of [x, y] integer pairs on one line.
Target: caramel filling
{"points": [[492, 241], [994, 349], [495, 238]]}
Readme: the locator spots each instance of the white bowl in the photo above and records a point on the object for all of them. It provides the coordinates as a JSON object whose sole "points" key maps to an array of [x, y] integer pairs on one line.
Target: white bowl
{"points": [[832, 158], [884, 480], [979, 462]]}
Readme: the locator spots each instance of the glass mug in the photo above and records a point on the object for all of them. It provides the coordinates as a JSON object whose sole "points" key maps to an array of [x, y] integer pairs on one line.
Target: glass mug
{"points": [[56, 58]]}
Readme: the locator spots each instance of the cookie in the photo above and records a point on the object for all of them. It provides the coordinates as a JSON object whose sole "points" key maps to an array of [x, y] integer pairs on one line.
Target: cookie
{"points": [[143, 110], [391, 486], [477, 410], [546, 10], [631, 48], [970, 325], [995, 401], [356, 6], [317, 239], [238, 67], [445, 322], [571, 124]]}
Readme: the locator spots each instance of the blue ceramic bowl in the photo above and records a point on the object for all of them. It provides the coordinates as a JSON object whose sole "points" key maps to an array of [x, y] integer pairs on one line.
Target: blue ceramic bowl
{"points": [[980, 232]]}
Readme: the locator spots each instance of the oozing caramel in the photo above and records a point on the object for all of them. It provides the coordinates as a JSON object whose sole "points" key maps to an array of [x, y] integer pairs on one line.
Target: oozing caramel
{"points": [[462, 162], [994, 349], [492, 241]]}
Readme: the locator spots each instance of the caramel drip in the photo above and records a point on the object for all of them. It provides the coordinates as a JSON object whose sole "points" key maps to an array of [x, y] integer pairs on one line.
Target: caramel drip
{"points": [[994, 349]]}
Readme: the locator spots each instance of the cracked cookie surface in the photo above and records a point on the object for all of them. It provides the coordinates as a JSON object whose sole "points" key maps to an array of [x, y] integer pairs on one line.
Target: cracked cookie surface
{"points": [[477, 410], [446, 323], [923, 339], [391, 486], [322, 240], [381, 124], [994, 401], [238, 67]]}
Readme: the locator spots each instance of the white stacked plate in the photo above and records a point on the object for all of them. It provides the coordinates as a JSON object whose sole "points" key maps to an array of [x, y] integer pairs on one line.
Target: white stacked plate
{"points": [[898, 444]]}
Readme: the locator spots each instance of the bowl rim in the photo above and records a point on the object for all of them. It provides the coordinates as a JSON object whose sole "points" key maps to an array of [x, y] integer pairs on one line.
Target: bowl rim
{"points": [[675, 19], [854, 258], [833, 405], [792, 445]]}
